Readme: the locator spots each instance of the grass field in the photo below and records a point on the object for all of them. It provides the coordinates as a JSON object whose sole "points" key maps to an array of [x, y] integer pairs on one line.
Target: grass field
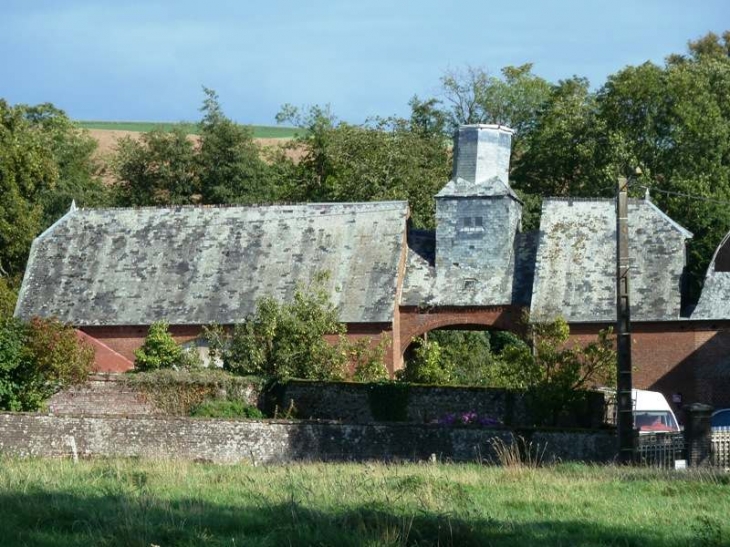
{"points": [[259, 131], [145, 503]]}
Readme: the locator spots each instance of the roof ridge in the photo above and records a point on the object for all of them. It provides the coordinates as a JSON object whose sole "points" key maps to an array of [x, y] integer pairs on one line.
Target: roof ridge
{"points": [[395, 204]]}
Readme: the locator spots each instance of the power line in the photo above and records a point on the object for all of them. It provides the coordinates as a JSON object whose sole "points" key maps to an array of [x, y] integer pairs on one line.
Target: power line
{"points": [[684, 195]]}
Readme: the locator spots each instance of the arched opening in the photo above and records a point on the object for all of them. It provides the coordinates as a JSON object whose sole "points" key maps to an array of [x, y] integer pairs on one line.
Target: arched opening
{"points": [[463, 354]]}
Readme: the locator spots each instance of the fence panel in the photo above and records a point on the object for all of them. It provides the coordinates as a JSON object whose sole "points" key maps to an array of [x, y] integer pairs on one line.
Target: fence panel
{"points": [[720, 449], [660, 449]]}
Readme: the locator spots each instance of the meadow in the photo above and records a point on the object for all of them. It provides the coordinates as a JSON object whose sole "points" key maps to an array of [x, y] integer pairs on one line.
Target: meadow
{"points": [[259, 131], [162, 503]]}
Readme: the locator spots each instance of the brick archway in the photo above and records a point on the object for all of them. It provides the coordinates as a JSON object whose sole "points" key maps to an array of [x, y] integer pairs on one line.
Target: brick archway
{"points": [[416, 321]]}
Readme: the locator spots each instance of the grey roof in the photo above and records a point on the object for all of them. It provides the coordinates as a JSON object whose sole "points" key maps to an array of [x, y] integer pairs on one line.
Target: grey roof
{"points": [[197, 265], [493, 187], [715, 298], [576, 262], [424, 285]]}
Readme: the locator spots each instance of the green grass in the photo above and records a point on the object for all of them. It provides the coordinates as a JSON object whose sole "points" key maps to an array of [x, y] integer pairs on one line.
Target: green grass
{"points": [[259, 131], [144, 503]]}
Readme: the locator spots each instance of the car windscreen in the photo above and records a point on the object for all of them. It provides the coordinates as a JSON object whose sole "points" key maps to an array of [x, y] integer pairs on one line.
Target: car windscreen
{"points": [[654, 420], [721, 419]]}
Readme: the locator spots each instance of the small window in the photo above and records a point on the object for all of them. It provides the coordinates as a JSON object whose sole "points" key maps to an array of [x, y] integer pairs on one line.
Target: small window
{"points": [[478, 222], [467, 222]]}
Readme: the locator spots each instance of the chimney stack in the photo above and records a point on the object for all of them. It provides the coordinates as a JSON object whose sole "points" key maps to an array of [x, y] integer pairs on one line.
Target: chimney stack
{"points": [[481, 152]]}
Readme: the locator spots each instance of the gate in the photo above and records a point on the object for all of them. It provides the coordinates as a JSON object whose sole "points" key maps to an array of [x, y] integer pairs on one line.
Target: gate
{"points": [[661, 449]]}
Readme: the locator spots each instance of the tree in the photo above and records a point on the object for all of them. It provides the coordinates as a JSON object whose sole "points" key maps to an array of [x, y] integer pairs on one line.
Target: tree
{"points": [[563, 149], [160, 168], [45, 163], [384, 159], [231, 168], [159, 349], [554, 373], [287, 340], [37, 359]]}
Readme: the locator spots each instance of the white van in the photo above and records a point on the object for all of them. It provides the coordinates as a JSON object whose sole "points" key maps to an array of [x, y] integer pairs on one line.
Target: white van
{"points": [[652, 412]]}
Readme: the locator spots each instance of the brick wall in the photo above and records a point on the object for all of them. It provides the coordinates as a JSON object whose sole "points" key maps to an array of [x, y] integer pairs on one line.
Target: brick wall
{"points": [[232, 441]]}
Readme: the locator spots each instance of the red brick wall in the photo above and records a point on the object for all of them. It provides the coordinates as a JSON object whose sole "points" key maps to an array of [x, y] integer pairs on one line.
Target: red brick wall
{"points": [[417, 321], [687, 357]]}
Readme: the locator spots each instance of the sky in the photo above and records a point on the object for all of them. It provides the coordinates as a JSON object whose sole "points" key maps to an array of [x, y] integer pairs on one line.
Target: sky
{"points": [[147, 60]]}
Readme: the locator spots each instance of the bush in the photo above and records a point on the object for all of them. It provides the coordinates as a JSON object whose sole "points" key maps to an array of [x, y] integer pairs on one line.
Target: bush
{"points": [[288, 340], [37, 359], [221, 408], [177, 392], [159, 349], [368, 361], [428, 365]]}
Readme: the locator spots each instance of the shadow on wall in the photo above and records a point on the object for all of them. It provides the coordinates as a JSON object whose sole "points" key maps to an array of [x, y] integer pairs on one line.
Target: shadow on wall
{"points": [[135, 516], [702, 377]]}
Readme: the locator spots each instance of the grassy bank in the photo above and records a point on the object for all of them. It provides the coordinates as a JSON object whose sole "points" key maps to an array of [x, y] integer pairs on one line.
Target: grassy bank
{"points": [[259, 131], [133, 503]]}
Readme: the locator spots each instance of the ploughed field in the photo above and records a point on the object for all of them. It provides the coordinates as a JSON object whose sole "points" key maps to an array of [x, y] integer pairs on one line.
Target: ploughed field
{"points": [[108, 133], [144, 503]]}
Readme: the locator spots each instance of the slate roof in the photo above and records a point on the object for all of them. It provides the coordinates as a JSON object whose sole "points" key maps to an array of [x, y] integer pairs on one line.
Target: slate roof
{"points": [[576, 262], [424, 286], [197, 265], [714, 302], [493, 187]]}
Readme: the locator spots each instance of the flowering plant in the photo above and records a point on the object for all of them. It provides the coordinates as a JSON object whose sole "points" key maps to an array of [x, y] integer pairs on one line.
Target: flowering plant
{"points": [[468, 418]]}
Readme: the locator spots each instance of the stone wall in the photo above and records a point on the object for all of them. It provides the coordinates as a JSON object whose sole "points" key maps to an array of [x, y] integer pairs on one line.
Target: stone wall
{"points": [[361, 403], [102, 394], [232, 441]]}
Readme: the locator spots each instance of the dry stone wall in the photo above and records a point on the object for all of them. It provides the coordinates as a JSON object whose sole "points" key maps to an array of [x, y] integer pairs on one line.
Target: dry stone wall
{"points": [[234, 441]]}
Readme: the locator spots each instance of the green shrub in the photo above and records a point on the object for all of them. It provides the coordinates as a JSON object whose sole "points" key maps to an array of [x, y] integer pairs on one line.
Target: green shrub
{"points": [[37, 359], [159, 349], [222, 408], [428, 365], [368, 361], [287, 340], [177, 392]]}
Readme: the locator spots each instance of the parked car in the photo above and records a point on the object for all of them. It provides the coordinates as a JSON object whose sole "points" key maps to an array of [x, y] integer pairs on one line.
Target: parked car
{"points": [[720, 418], [652, 412]]}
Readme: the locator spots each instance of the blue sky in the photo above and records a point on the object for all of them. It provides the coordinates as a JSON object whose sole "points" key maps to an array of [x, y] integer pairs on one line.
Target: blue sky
{"points": [[147, 59]]}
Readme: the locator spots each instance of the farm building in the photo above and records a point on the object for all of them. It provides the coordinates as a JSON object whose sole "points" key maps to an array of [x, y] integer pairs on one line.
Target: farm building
{"points": [[113, 272]]}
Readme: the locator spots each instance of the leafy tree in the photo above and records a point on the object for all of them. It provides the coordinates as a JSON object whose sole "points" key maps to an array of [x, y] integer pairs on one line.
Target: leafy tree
{"points": [[45, 163], [37, 359], [288, 340], [159, 349], [160, 168], [428, 365], [231, 168], [385, 159], [8, 298], [299, 339], [553, 372]]}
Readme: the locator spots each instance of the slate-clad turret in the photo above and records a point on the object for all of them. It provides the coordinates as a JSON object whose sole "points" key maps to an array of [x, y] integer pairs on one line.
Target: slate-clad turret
{"points": [[478, 215]]}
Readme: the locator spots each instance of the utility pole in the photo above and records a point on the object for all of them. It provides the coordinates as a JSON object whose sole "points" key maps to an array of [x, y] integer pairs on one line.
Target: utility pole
{"points": [[625, 416]]}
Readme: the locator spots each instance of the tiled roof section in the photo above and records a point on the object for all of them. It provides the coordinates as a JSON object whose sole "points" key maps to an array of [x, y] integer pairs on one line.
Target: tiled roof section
{"points": [[576, 262], [425, 286], [715, 299], [197, 265], [493, 187]]}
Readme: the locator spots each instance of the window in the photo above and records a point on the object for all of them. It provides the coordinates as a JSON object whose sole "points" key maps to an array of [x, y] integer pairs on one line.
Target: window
{"points": [[472, 224]]}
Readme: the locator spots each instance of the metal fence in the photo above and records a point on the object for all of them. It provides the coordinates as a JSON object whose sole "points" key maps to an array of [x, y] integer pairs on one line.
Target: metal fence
{"points": [[660, 449], [720, 448]]}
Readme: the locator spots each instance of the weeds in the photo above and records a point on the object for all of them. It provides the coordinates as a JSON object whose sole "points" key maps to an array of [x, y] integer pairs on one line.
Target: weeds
{"points": [[517, 452]]}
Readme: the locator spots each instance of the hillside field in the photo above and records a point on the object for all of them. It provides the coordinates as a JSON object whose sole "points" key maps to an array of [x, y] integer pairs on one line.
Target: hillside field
{"points": [[162, 503], [259, 131]]}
